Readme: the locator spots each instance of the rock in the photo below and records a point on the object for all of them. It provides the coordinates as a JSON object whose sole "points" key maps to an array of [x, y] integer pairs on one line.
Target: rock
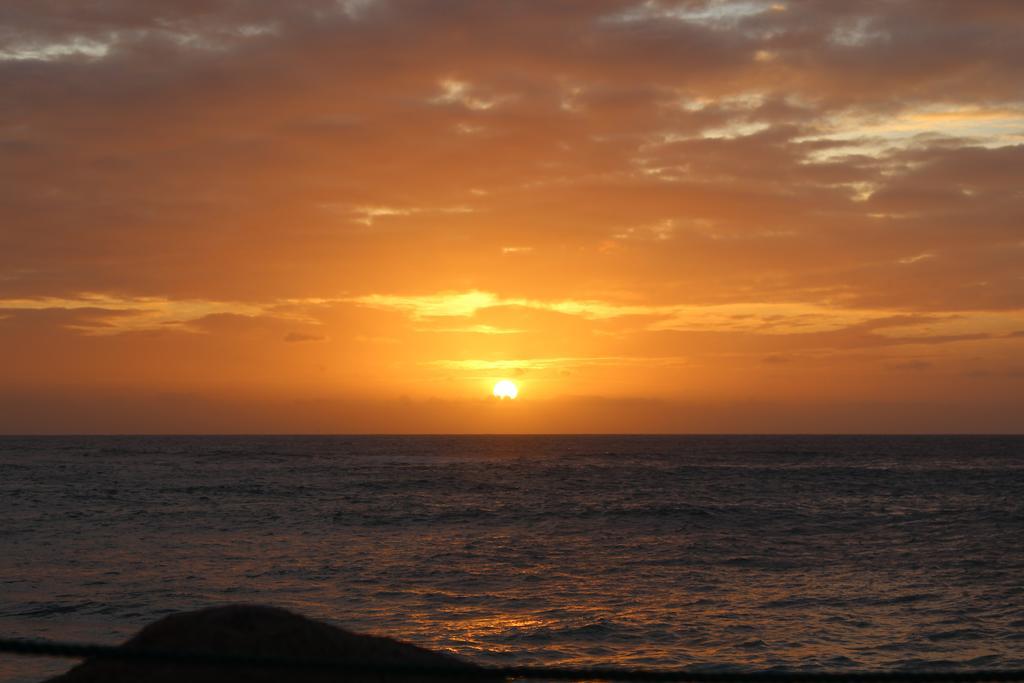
{"points": [[252, 630]]}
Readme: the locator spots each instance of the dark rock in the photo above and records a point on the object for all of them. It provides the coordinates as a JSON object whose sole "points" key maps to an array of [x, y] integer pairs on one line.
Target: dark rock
{"points": [[250, 630]]}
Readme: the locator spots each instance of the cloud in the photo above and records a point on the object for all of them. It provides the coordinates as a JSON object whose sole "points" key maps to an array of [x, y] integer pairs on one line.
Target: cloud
{"points": [[913, 364], [303, 337], [111, 315], [722, 181], [561, 363], [764, 318]]}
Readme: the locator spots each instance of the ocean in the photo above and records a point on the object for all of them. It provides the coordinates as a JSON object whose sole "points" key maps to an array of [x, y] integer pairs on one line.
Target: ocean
{"points": [[710, 552]]}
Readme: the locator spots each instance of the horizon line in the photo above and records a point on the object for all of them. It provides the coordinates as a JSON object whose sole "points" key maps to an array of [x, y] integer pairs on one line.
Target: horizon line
{"points": [[4, 435]]}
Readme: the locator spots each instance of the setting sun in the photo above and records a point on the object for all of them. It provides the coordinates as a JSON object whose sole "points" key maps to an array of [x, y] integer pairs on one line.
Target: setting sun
{"points": [[675, 216], [506, 389]]}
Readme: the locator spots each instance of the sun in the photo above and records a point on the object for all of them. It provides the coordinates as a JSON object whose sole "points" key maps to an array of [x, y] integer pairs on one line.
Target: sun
{"points": [[506, 389]]}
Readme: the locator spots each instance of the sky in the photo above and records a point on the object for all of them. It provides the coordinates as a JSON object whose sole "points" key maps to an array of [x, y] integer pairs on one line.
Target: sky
{"points": [[657, 216]]}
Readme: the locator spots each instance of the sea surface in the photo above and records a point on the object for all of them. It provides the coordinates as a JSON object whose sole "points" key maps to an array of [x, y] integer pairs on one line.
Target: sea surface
{"points": [[711, 552]]}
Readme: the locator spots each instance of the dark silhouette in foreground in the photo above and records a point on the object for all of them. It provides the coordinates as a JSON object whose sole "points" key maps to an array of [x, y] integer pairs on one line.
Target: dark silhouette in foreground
{"points": [[256, 631]]}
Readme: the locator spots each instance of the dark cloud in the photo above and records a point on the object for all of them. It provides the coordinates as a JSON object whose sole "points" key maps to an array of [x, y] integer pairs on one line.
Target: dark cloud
{"points": [[303, 337], [914, 364]]}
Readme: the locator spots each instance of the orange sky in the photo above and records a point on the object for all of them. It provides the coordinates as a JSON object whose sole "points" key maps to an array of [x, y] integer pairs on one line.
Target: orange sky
{"points": [[357, 215]]}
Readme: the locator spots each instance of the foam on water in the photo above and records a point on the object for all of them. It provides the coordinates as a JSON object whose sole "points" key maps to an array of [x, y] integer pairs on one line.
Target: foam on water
{"points": [[710, 552]]}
